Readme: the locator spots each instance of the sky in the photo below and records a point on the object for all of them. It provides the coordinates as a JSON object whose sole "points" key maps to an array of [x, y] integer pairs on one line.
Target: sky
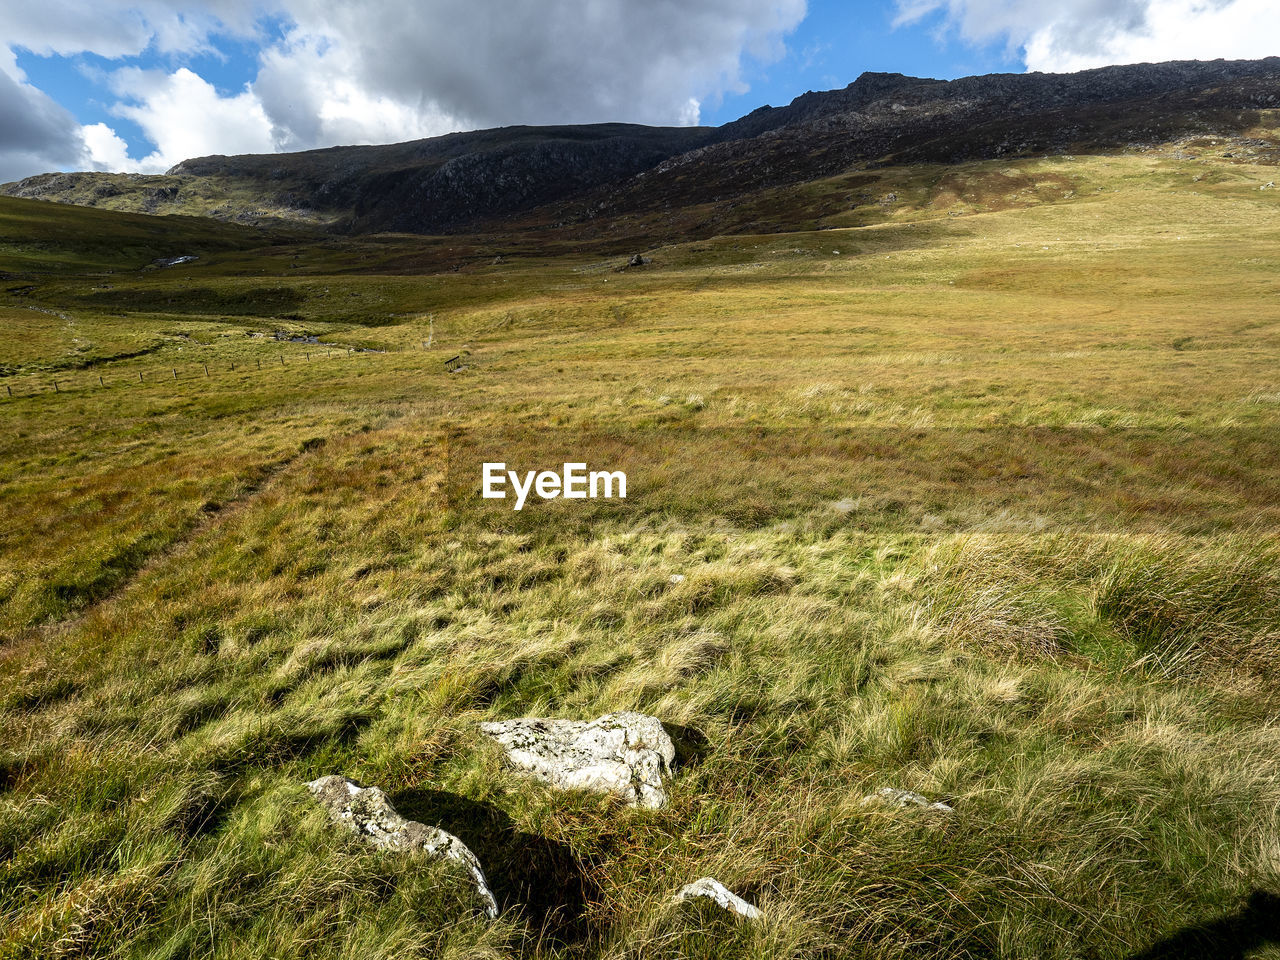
{"points": [[140, 85]]}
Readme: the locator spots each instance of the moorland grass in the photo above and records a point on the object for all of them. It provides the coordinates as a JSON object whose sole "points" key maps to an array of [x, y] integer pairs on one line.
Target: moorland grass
{"points": [[982, 506]]}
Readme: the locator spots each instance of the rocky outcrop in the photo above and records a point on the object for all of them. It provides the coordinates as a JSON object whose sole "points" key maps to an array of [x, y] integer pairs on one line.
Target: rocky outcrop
{"points": [[494, 182], [890, 119], [623, 754], [367, 812], [895, 94], [711, 889]]}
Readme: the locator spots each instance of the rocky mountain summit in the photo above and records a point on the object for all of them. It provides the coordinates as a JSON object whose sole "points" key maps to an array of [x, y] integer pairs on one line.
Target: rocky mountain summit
{"points": [[896, 95], [882, 119], [539, 176]]}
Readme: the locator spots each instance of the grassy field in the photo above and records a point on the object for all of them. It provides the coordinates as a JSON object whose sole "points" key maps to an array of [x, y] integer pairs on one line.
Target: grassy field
{"points": [[974, 492]]}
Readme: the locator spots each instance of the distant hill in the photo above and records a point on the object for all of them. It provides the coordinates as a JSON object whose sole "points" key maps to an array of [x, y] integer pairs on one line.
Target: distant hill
{"points": [[424, 186], [566, 174]]}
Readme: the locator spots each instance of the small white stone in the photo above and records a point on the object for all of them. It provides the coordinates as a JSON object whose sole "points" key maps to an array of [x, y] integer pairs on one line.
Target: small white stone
{"points": [[714, 890], [676, 578], [905, 798]]}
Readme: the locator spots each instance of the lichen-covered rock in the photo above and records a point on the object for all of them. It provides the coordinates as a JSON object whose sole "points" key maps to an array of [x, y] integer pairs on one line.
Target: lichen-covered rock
{"points": [[624, 754], [905, 798], [711, 889], [366, 811]]}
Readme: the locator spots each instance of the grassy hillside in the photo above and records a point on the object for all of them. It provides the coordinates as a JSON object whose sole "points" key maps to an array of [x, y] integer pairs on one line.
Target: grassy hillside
{"points": [[974, 491], [73, 241]]}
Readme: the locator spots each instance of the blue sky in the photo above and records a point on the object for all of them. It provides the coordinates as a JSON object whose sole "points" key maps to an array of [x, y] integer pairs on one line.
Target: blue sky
{"points": [[137, 85]]}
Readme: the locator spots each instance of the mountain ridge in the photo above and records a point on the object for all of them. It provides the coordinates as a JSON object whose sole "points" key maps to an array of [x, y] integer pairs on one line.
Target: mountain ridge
{"points": [[461, 181]]}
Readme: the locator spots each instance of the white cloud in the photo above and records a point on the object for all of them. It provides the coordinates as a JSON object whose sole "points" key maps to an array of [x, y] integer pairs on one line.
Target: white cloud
{"points": [[1079, 34], [1173, 30], [184, 116], [691, 113], [311, 90], [107, 151], [362, 72], [124, 28]]}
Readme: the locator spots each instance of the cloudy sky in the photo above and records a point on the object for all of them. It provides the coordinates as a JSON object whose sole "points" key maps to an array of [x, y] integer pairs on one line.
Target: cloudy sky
{"points": [[138, 85]]}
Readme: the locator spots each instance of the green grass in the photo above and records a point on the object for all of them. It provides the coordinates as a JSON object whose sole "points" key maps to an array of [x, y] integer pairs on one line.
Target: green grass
{"points": [[983, 506]]}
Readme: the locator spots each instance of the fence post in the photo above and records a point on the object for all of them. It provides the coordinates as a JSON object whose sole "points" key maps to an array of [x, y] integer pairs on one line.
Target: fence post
{"points": [[282, 359], [175, 373], [259, 363], [206, 369], [308, 355], [9, 388], [100, 383], [55, 387], [139, 376]]}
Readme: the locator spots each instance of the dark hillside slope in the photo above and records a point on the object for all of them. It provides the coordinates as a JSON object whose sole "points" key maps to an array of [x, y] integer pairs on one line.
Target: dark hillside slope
{"points": [[891, 119], [509, 170], [424, 186]]}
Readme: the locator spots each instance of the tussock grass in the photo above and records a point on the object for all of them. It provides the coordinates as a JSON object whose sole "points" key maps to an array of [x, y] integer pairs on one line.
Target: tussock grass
{"points": [[1174, 606], [1202, 608], [978, 591]]}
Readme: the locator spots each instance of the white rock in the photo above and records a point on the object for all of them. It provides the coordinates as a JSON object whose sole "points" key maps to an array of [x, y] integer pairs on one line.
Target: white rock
{"points": [[366, 811], [714, 890], [905, 798], [676, 578], [624, 754]]}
